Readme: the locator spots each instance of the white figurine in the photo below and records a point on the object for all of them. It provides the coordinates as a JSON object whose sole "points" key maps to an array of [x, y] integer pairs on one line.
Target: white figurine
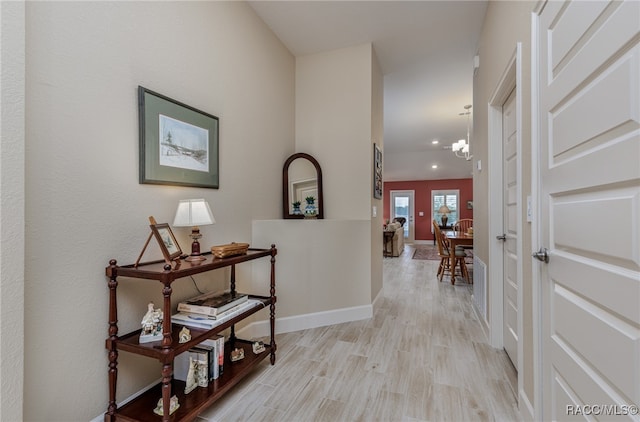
{"points": [[258, 347], [184, 335], [151, 324], [192, 380], [173, 406]]}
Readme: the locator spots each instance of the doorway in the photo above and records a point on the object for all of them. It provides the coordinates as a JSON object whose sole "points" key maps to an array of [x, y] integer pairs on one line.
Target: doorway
{"points": [[505, 214], [510, 228], [402, 205]]}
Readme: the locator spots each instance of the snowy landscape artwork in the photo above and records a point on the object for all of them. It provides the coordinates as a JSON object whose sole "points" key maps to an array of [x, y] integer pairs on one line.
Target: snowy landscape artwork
{"points": [[183, 145]]}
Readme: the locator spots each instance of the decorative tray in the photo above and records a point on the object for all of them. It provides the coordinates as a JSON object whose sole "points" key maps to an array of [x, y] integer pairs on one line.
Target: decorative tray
{"points": [[230, 249]]}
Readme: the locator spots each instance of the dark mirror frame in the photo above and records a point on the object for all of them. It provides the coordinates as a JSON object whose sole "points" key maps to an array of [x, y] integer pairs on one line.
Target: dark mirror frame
{"points": [[285, 186]]}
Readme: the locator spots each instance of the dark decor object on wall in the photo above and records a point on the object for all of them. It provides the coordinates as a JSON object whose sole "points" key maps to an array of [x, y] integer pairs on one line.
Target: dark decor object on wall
{"points": [[178, 143], [469, 205], [377, 172], [301, 178]]}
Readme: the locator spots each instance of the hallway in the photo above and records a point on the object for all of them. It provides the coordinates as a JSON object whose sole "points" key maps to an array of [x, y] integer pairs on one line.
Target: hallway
{"points": [[422, 357]]}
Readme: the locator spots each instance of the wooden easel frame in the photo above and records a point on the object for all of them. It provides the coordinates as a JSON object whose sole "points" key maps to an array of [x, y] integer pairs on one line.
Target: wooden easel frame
{"points": [[166, 240]]}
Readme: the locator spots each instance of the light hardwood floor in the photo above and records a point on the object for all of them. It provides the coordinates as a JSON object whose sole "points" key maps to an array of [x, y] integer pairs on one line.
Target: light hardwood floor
{"points": [[422, 357]]}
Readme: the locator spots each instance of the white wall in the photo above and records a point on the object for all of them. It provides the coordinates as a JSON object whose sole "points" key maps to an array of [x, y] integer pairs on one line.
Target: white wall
{"points": [[333, 123], [329, 271], [506, 23], [320, 269], [377, 137], [83, 201], [12, 245]]}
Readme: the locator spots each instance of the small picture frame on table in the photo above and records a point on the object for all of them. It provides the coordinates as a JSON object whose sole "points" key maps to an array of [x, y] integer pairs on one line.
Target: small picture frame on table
{"points": [[167, 241]]}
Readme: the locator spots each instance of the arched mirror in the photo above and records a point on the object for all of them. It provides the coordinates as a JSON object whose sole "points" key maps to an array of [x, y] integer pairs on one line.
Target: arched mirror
{"points": [[301, 179]]}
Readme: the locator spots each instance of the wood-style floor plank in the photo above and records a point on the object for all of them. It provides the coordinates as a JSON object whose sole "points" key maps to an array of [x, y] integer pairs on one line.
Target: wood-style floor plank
{"points": [[422, 357]]}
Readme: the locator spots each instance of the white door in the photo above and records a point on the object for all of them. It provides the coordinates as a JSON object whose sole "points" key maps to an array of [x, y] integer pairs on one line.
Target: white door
{"points": [[510, 228], [589, 138], [402, 206]]}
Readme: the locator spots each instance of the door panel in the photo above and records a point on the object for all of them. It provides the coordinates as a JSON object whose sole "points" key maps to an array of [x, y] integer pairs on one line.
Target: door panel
{"points": [[589, 106], [510, 228]]}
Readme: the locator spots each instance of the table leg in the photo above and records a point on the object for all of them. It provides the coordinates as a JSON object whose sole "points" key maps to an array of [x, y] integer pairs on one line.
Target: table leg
{"points": [[452, 260]]}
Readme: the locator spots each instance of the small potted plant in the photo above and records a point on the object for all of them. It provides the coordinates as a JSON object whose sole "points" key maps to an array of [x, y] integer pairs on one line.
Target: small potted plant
{"points": [[310, 210], [296, 208]]}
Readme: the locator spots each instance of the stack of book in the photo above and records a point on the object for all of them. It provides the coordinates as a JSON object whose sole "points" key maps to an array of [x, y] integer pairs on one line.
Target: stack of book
{"points": [[210, 357], [211, 309]]}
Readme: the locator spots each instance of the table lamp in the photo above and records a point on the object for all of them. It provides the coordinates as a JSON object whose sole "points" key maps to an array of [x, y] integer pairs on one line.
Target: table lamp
{"points": [[444, 210], [194, 213]]}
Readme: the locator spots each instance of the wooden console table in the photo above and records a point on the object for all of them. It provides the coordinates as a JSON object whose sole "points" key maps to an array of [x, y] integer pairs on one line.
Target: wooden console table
{"points": [[166, 349]]}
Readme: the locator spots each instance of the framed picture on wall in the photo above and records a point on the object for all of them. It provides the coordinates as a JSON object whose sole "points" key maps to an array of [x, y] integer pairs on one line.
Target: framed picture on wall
{"points": [[469, 205], [178, 143], [377, 172]]}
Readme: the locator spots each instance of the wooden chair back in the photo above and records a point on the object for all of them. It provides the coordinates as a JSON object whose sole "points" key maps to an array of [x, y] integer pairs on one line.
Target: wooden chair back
{"points": [[463, 224], [443, 248]]}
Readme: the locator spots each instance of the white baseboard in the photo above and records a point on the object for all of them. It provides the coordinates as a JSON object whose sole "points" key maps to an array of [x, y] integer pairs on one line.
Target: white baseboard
{"points": [[306, 321], [375, 301], [483, 322], [525, 407]]}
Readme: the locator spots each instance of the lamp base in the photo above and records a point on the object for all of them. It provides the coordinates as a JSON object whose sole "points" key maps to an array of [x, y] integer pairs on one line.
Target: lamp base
{"points": [[444, 219], [195, 247]]}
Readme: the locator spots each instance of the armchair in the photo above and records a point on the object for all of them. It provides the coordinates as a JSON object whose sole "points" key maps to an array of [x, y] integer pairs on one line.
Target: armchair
{"points": [[395, 244]]}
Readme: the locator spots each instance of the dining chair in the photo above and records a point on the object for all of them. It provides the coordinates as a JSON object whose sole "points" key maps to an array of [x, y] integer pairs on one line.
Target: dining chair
{"points": [[463, 224], [445, 257]]}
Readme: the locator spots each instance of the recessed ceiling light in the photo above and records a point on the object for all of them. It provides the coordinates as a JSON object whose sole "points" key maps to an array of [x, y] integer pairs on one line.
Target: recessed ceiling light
{"points": [[435, 166], [435, 142]]}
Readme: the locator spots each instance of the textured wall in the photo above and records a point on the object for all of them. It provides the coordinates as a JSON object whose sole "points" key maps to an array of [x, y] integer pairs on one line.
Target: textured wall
{"points": [[333, 123], [83, 201], [12, 149], [506, 24]]}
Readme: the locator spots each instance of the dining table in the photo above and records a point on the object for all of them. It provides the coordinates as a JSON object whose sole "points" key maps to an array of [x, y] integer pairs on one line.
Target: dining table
{"points": [[456, 238]]}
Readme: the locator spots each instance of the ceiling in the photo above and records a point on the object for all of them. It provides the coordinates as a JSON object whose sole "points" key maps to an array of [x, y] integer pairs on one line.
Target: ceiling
{"points": [[425, 50]]}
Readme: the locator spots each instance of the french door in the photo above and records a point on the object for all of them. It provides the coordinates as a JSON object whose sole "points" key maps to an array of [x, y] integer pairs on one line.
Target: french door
{"points": [[402, 205]]}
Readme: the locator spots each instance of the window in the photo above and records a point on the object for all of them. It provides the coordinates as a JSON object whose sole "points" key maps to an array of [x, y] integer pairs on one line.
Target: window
{"points": [[442, 197]]}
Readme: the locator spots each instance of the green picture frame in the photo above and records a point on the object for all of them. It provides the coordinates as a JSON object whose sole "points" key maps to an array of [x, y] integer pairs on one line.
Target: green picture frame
{"points": [[179, 144]]}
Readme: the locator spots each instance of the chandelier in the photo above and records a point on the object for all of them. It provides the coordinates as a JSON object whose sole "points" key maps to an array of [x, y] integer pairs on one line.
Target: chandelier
{"points": [[461, 148]]}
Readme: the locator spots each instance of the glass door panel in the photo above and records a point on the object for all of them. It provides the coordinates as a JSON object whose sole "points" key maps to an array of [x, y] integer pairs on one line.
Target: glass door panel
{"points": [[402, 206]]}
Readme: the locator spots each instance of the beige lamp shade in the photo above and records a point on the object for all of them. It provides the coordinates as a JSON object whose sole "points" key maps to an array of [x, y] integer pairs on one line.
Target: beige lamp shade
{"points": [[193, 212], [444, 210]]}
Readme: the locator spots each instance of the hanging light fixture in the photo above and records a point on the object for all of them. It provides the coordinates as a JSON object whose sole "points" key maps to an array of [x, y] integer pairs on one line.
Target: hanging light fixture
{"points": [[461, 148]]}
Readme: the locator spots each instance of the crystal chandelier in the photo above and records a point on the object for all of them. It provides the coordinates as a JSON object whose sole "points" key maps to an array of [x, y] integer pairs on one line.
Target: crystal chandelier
{"points": [[461, 148]]}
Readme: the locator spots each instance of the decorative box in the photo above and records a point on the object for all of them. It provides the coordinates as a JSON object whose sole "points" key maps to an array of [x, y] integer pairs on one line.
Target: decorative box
{"points": [[230, 249]]}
